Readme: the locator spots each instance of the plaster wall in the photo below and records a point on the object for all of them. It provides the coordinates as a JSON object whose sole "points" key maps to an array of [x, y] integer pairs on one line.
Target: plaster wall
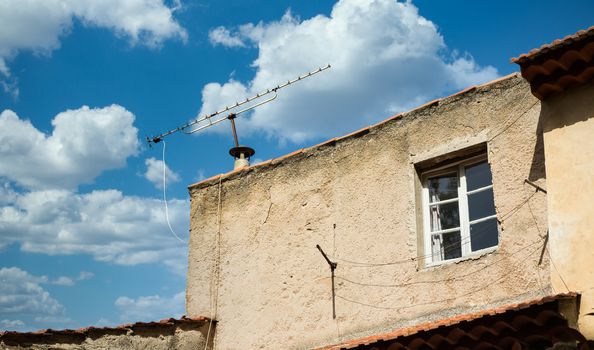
{"points": [[568, 121], [254, 231], [178, 338]]}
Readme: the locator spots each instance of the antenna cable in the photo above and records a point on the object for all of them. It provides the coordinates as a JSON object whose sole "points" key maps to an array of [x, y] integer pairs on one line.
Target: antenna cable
{"points": [[165, 198]]}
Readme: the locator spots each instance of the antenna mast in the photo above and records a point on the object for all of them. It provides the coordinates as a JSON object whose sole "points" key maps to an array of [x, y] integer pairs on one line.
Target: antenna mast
{"points": [[216, 117]]}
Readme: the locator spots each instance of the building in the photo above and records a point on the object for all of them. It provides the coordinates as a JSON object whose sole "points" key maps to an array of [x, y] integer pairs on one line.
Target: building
{"points": [[478, 201], [465, 223]]}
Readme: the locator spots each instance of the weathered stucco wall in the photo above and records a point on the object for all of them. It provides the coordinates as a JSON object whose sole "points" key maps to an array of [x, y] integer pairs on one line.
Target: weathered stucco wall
{"points": [[568, 121], [357, 197], [187, 335]]}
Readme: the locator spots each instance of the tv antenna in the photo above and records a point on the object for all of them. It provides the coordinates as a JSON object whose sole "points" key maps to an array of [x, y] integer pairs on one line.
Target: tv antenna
{"points": [[206, 121]]}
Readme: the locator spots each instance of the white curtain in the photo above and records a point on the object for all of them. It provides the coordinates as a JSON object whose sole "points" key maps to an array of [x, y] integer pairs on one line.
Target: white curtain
{"points": [[436, 243]]}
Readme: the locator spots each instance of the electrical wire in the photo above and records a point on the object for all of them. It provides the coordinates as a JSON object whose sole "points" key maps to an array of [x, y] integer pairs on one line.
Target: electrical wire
{"points": [[487, 285], [504, 217], [421, 304], [406, 284], [516, 119], [557, 270], [165, 198]]}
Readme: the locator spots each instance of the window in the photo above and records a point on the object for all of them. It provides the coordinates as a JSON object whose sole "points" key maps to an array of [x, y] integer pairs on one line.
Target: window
{"points": [[459, 210]]}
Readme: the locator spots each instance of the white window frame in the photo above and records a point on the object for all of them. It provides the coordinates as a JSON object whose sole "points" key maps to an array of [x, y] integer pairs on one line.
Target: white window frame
{"points": [[464, 228]]}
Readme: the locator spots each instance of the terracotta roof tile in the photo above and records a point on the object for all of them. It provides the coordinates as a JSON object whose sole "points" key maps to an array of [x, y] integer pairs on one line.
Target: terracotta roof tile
{"points": [[561, 65], [555, 45], [458, 319], [121, 329]]}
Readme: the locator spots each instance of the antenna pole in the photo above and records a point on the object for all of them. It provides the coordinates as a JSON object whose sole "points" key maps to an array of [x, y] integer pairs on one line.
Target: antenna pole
{"points": [[231, 118], [332, 268]]}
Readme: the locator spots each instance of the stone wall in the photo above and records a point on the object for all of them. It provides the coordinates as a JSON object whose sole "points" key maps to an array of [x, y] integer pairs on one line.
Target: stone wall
{"points": [[184, 334], [253, 259]]}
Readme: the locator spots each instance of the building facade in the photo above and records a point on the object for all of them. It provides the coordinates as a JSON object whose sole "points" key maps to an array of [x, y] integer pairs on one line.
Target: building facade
{"points": [[472, 212], [428, 214]]}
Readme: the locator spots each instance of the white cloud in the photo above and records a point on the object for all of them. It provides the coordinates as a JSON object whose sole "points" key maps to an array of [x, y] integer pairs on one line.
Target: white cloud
{"points": [[11, 324], [385, 58], [85, 275], [63, 281], [111, 227], [48, 216], [84, 143], [222, 36], [21, 293], [154, 173], [37, 25], [148, 22], [200, 175], [151, 308]]}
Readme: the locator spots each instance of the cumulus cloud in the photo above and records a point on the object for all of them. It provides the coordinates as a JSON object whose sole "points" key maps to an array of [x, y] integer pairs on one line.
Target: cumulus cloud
{"points": [[106, 224], [46, 214], [83, 143], [386, 58], [150, 308], [154, 173], [38, 25], [222, 36], [21, 294]]}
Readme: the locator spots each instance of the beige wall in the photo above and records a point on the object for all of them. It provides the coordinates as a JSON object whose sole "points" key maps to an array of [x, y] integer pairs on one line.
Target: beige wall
{"points": [[357, 198], [568, 121]]}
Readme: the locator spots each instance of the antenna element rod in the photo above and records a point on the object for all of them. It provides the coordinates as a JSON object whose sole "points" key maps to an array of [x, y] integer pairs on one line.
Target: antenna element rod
{"points": [[207, 118]]}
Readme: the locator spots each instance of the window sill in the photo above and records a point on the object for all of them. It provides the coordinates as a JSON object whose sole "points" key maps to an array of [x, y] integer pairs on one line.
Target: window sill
{"points": [[474, 256]]}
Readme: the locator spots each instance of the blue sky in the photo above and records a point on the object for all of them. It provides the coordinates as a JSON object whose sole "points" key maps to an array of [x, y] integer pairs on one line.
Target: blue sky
{"points": [[83, 236]]}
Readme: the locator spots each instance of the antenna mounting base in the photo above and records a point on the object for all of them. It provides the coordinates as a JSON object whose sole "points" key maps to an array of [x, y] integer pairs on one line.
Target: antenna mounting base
{"points": [[236, 152]]}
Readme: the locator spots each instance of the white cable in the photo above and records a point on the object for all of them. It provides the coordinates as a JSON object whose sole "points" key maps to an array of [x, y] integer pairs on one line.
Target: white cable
{"points": [[165, 198]]}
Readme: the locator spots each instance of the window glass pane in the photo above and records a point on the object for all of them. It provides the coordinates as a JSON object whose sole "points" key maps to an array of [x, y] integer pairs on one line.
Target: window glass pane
{"points": [[452, 247], [484, 235], [478, 175], [444, 216], [443, 187], [481, 204]]}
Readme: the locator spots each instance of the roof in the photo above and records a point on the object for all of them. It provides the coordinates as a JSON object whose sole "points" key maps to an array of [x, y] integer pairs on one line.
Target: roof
{"points": [[333, 141], [460, 327], [558, 44], [560, 65], [15, 338]]}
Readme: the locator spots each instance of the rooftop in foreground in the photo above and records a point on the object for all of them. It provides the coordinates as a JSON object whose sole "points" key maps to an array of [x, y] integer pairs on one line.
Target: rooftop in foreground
{"points": [[538, 317], [561, 65], [20, 338]]}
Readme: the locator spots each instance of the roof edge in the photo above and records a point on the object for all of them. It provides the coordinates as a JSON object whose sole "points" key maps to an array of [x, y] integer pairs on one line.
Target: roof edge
{"points": [[216, 178], [555, 45], [428, 326], [166, 322]]}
